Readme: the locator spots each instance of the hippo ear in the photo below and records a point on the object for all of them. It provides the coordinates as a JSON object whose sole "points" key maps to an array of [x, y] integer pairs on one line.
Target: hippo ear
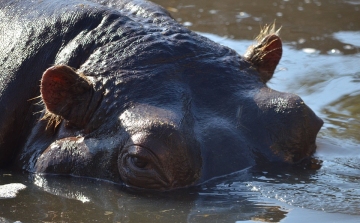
{"points": [[66, 94], [266, 53]]}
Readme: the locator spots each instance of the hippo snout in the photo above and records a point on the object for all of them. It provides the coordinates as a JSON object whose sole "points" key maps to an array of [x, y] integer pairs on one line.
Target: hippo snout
{"points": [[291, 125]]}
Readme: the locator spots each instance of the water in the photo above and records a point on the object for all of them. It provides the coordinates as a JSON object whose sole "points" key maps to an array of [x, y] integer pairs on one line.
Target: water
{"points": [[320, 63]]}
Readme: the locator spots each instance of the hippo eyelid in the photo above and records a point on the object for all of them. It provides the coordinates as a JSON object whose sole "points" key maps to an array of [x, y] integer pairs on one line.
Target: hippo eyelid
{"points": [[153, 159], [151, 168], [153, 155], [139, 162]]}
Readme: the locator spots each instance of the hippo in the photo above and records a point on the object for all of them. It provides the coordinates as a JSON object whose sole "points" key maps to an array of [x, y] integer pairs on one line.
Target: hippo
{"points": [[118, 90]]}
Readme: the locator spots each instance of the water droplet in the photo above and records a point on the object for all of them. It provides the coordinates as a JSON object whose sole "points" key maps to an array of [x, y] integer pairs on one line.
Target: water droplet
{"points": [[301, 40], [187, 24], [348, 47], [242, 15], [309, 50], [257, 19], [334, 52], [212, 11]]}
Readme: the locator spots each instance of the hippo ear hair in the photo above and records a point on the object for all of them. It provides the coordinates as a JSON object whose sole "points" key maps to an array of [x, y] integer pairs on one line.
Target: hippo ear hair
{"points": [[66, 95], [266, 53]]}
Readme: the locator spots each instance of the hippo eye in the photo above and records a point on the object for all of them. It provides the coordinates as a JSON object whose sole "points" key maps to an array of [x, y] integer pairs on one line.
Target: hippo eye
{"points": [[139, 162]]}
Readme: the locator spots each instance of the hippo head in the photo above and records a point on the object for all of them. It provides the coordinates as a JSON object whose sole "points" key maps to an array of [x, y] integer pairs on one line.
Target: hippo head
{"points": [[172, 111]]}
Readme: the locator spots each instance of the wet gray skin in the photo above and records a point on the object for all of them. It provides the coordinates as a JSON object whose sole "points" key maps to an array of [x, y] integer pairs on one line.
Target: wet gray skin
{"points": [[147, 102]]}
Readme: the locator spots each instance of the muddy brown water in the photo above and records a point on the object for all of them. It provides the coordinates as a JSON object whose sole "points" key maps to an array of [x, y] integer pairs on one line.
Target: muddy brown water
{"points": [[321, 63]]}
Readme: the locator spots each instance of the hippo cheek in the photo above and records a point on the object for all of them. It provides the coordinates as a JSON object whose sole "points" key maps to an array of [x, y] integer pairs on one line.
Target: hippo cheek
{"points": [[65, 156]]}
